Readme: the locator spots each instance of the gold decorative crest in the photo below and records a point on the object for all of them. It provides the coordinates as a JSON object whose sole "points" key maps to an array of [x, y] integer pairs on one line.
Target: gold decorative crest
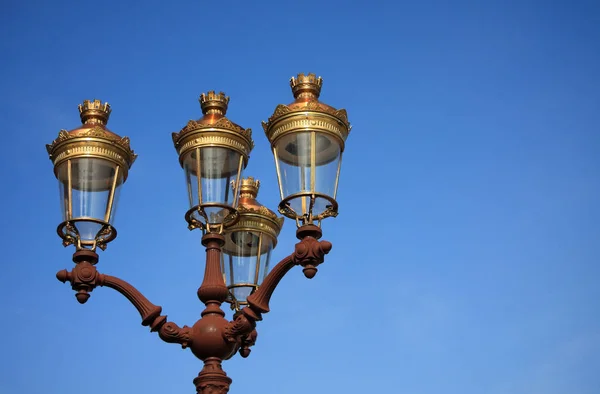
{"points": [[253, 215], [213, 129], [92, 139], [303, 112]]}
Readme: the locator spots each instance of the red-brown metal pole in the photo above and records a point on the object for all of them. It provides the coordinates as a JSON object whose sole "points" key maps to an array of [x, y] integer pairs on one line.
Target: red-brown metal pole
{"points": [[213, 290], [212, 338]]}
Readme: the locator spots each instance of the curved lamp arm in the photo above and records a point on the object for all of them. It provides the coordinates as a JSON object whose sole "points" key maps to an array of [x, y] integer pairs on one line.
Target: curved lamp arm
{"points": [[84, 278], [309, 253]]}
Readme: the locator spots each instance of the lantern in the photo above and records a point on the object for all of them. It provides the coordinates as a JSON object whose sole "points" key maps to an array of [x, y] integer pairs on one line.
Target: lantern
{"points": [[245, 260], [213, 151], [307, 139], [91, 164]]}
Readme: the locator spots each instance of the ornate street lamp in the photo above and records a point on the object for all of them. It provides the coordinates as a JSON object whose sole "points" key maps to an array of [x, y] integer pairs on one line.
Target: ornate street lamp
{"points": [[307, 139]]}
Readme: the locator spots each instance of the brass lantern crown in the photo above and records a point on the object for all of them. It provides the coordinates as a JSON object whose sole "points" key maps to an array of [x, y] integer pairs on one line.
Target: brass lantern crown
{"points": [[213, 151], [254, 215], [307, 138], [92, 139], [91, 163], [213, 129], [248, 245]]}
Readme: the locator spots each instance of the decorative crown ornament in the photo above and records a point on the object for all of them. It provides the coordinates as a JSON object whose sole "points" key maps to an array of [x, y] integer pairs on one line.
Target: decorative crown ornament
{"points": [[307, 113], [249, 187], [306, 86], [94, 110], [213, 103]]}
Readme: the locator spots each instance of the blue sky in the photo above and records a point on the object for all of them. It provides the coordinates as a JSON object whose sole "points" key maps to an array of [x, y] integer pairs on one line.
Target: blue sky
{"points": [[466, 251]]}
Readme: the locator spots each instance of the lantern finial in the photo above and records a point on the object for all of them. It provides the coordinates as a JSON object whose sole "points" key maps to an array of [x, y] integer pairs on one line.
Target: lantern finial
{"points": [[306, 86], [93, 111], [213, 103], [249, 187]]}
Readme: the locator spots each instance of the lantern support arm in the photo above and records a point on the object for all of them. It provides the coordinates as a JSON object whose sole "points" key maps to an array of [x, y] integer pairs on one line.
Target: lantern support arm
{"points": [[309, 253], [84, 278]]}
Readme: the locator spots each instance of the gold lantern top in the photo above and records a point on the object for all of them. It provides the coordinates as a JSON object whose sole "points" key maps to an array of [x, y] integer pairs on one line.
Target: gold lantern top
{"points": [[253, 215], [213, 129], [92, 139], [307, 112]]}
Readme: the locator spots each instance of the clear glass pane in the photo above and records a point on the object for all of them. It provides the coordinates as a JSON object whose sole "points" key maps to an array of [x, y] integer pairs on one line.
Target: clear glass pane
{"points": [[293, 152], [91, 181], [241, 262], [328, 157], [265, 264], [218, 168], [297, 173], [63, 193], [241, 293], [189, 168]]}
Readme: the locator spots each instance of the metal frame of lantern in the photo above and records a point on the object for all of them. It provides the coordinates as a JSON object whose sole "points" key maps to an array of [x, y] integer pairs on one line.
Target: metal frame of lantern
{"points": [[262, 226], [69, 152], [212, 338]]}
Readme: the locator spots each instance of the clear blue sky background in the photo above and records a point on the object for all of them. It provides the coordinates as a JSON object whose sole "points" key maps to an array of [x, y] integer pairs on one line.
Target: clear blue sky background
{"points": [[466, 254]]}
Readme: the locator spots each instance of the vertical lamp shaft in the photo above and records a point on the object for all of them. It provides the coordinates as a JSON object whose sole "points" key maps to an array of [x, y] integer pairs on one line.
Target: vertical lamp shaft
{"points": [[313, 160], [199, 176], [337, 177], [260, 237], [237, 183], [303, 187], [231, 269], [69, 191], [278, 173], [213, 291]]}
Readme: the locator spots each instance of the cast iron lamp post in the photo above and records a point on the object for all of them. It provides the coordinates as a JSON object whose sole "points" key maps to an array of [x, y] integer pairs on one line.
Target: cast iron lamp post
{"points": [[307, 138]]}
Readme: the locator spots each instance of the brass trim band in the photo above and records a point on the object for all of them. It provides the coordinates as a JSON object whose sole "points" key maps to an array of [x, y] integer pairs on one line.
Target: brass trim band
{"points": [[67, 231], [211, 137], [96, 148], [286, 210], [307, 121], [257, 222], [230, 219]]}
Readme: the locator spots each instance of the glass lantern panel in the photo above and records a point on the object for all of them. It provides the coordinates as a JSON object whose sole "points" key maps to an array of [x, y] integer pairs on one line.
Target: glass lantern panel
{"points": [[89, 189], [217, 167], [241, 294], [245, 261], [308, 162]]}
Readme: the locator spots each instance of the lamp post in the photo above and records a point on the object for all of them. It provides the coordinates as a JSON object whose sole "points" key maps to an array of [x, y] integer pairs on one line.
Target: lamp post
{"points": [[307, 138]]}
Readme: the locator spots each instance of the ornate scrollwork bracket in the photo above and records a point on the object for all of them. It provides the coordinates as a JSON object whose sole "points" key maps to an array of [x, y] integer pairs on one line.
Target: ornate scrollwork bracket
{"points": [[239, 334], [84, 278], [309, 253]]}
